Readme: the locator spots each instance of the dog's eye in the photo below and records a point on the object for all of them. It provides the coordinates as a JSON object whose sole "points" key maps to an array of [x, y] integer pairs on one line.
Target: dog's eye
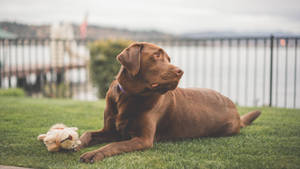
{"points": [[156, 56]]}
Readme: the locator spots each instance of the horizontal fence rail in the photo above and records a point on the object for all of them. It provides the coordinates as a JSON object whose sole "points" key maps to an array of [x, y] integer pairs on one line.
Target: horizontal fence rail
{"points": [[252, 71], [51, 68]]}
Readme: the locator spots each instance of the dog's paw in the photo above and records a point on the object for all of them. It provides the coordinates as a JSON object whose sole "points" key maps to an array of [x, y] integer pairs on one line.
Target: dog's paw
{"points": [[91, 156], [85, 139], [77, 148]]}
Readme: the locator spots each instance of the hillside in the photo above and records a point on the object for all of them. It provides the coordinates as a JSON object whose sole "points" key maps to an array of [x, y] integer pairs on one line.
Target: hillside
{"points": [[23, 30]]}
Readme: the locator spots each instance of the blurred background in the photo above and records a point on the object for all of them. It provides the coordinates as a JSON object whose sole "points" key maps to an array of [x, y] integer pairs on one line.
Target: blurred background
{"points": [[247, 50]]}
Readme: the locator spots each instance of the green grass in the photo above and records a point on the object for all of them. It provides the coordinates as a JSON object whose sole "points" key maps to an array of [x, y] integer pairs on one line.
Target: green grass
{"points": [[273, 141], [16, 92]]}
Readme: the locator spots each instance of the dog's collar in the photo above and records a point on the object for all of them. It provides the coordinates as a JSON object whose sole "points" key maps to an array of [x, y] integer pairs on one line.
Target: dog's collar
{"points": [[121, 88]]}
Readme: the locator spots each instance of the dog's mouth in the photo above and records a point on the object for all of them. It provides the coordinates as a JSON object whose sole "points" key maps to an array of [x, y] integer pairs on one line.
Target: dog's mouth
{"points": [[160, 88], [153, 85], [164, 87]]}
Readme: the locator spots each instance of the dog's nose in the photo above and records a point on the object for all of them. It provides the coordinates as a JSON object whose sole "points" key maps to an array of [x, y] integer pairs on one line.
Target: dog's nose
{"points": [[179, 72]]}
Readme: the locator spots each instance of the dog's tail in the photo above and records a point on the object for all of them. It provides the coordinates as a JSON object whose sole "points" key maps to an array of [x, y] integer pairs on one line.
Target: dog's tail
{"points": [[248, 118]]}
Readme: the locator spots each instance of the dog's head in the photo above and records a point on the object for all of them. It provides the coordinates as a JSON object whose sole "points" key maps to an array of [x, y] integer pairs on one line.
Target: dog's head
{"points": [[146, 68]]}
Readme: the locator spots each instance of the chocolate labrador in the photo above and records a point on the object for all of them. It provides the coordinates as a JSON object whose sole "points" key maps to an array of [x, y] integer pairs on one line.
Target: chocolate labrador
{"points": [[144, 105]]}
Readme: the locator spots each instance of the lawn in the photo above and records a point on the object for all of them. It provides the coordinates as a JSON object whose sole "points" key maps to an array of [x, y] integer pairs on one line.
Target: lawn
{"points": [[273, 141]]}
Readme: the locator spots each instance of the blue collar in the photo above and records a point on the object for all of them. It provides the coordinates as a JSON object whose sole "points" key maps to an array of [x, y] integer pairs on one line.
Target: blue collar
{"points": [[121, 88]]}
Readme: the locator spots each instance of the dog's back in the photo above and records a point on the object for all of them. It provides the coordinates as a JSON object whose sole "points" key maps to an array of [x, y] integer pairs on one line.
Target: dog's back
{"points": [[197, 113]]}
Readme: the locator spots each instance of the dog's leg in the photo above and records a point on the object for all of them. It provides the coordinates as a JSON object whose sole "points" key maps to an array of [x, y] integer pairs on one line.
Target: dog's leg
{"points": [[133, 144], [147, 128], [108, 133], [90, 138]]}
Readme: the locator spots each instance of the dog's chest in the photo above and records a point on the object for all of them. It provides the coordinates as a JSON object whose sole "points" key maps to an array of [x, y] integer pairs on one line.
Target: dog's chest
{"points": [[126, 121], [130, 109]]}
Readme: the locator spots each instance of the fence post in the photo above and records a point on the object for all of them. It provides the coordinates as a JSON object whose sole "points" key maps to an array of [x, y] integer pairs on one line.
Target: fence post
{"points": [[271, 70], [1, 61]]}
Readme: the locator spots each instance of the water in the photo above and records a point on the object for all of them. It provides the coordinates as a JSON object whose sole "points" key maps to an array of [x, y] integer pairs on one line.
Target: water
{"points": [[241, 73]]}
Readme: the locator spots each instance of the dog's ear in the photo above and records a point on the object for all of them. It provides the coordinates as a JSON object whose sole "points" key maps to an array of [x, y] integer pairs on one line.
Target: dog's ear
{"points": [[130, 58]]}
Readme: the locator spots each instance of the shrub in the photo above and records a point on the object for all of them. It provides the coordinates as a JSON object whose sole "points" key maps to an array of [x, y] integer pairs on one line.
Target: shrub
{"points": [[17, 92], [103, 64], [61, 90]]}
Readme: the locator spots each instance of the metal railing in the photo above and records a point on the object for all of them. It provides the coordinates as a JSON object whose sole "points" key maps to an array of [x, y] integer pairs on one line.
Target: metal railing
{"points": [[252, 71], [45, 67]]}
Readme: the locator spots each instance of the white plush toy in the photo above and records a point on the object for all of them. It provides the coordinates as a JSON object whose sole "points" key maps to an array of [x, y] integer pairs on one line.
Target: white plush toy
{"points": [[60, 137]]}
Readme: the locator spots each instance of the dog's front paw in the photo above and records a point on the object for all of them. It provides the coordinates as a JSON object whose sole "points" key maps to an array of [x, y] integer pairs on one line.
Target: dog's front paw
{"points": [[77, 148], [85, 139], [91, 156]]}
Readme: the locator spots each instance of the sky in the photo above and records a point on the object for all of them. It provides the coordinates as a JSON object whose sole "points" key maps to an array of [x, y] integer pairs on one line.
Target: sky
{"points": [[170, 16]]}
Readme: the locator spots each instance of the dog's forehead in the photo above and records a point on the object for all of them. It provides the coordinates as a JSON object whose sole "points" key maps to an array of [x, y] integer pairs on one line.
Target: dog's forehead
{"points": [[150, 47]]}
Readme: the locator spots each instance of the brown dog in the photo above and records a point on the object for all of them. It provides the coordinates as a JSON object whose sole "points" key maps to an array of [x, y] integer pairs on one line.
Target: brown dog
{"points": [[143, 105]]}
